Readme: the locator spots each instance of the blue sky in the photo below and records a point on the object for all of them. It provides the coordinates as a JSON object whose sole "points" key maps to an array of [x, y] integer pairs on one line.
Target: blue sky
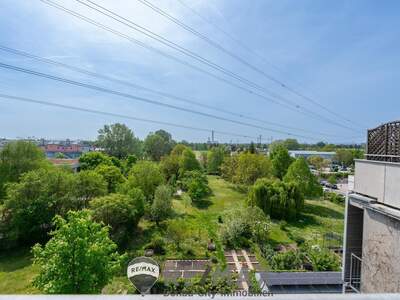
{"points": [[343, 54]]}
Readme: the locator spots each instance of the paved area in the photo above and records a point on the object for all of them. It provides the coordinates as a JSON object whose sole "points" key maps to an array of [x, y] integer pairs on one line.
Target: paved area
{"points": [[238, 261]]}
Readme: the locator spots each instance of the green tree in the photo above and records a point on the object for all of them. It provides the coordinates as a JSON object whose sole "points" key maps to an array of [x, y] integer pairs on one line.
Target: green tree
{"points": [[89, 184], [250, 167], [80, 258], [252, 148], [346, 157], [162, 204], [215, 158], [332, 179], [229, 167], [121, 212], [158, 144], [169, 166], [188, 162], [300, 173], [91, 160], [17, 158], [178, 149], [278, 199], [280, 159], [318, 162], [31, 204], [146, 175], [118, 140], [112, 175], [291, 144], [130, 161], [196, 184]]}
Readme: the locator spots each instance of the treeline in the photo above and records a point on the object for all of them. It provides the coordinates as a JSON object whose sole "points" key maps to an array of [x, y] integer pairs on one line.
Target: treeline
{"points": [[276, 183], [85, 219]]}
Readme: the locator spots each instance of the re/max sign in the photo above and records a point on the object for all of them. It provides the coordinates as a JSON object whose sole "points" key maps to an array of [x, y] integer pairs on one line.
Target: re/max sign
{"points": [[143, 268], [135, 269]]}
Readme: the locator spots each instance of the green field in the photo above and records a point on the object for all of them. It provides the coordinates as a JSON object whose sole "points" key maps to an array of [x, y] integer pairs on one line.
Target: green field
{"points": [[319, 217]]}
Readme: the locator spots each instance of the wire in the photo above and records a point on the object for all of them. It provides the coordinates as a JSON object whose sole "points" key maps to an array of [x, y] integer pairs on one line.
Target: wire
{"points": [[113, 79], [29, 100], [191, 54], [243, 61], [145, 100], [86, 19]]}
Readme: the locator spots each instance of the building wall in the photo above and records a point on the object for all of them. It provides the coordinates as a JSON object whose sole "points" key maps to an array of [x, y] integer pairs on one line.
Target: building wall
{"points": [[381, 254]]}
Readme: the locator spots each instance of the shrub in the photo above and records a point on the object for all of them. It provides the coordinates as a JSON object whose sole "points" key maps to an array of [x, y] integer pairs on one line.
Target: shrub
{"points": [[323, 259], [196, 184], [334, 197], [157, 244], [288, 260], [244, 224]]}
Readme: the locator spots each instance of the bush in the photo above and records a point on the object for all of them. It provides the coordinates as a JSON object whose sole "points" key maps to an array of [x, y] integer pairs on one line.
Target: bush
{"points": [[288, 260], [242, 225], [323, 259], [196, 184], [157, 244], [335, 198]]}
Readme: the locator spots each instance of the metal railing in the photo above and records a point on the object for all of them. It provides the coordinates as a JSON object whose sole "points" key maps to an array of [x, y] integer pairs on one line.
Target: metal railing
{"points": [[355, 273]]}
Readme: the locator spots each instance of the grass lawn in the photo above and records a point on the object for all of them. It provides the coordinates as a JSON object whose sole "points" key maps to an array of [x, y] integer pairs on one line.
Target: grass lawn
{"points": [[201, 220], [17, 272], [319, 217]]}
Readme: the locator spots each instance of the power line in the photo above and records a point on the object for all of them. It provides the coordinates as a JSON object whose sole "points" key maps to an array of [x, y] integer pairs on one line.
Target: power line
{"points": [[123, 82], [240, 59], [193, 55], [145, 100], [91, 21], [29, 100]]}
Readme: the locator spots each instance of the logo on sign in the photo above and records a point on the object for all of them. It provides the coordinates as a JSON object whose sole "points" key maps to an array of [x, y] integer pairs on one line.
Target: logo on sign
{"points": [[143, 272]]}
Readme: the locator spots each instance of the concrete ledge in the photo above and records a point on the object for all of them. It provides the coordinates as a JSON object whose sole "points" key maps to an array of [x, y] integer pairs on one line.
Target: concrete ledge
{"points": [[216, 297]]}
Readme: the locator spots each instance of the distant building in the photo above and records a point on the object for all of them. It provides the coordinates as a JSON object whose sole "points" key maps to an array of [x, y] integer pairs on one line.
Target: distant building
{"points": [[306, 154], [70, 150], [371, 255]]}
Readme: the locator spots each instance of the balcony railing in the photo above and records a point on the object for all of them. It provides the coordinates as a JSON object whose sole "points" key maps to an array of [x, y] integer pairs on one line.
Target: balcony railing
{"points": [[355, 273]]}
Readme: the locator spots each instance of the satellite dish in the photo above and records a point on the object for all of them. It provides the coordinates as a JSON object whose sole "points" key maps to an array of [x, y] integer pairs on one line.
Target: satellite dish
{"points": [[143, 272]]}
